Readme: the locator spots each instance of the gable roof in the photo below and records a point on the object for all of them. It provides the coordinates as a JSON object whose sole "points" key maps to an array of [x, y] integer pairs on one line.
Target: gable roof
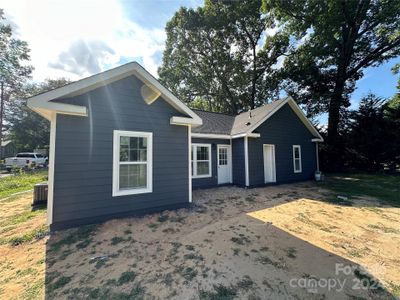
{"points": [[214, 123], [151, 90], [243, 124]]}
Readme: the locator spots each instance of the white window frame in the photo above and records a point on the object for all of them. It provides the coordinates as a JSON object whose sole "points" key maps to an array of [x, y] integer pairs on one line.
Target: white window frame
{"points": [[116, 163], [299, 159], [194, 161]]}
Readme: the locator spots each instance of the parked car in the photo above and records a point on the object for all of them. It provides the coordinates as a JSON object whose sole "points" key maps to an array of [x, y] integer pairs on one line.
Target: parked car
{"points": [[26, 160]]}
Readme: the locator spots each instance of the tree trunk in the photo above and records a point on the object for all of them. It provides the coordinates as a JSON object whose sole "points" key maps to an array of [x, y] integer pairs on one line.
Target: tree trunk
{"points": [[254, 78], [1, 117]]}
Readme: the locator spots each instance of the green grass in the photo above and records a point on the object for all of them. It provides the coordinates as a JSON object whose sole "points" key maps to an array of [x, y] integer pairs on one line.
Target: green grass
{"points": [[386, 188], [20, 182]]}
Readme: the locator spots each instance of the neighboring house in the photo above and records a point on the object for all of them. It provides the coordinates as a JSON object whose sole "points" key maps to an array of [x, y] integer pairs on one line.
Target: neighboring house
{"points": [[7, 149], [122, 144]]}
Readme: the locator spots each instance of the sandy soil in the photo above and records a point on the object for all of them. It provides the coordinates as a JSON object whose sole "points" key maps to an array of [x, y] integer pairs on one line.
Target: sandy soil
{"points": [[281, 242], [22, 267]]}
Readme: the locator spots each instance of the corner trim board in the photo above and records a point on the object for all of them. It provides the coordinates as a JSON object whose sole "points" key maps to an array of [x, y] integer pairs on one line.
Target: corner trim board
{"points": [[246, 160]]}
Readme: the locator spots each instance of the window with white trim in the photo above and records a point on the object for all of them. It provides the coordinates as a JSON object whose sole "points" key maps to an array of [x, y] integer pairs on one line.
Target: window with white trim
{"points": [[132, 163], [201, 160], [297, 158]]}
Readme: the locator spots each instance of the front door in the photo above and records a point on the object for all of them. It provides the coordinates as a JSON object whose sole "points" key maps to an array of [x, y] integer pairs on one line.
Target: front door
{"points": [[269, 163], [224, 164]]}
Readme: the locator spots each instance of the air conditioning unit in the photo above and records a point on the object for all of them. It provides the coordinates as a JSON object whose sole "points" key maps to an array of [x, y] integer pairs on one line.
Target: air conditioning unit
{"points": [[40, 193]]}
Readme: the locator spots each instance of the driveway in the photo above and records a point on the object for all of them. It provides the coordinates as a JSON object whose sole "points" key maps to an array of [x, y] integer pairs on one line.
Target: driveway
{"points": [[282, 242]]}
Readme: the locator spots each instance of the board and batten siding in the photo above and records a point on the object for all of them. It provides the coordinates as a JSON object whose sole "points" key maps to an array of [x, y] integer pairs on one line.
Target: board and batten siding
{"points": [[284, 129], [212, 181], [84, 155]]}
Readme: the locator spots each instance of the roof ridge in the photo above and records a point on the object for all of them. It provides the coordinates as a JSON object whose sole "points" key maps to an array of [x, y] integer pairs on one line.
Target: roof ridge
{"points": [[214, 112]]}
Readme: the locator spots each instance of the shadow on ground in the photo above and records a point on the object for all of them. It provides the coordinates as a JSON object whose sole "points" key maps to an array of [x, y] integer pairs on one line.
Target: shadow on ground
{"points": [[214, 251]]}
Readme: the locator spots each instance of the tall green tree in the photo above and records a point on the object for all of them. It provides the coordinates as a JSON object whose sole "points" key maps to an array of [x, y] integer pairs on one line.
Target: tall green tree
{"points": [[331, 44], [214, 56], [14, 71], [27, 129]]}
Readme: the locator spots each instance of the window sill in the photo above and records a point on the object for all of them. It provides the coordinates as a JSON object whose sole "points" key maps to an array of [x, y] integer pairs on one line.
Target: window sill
{"points": [[131, 192], [201, 176]]}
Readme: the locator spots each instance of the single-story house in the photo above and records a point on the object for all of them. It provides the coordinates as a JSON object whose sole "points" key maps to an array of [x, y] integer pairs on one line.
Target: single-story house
{"points": [[123, 144], [8, 149]]}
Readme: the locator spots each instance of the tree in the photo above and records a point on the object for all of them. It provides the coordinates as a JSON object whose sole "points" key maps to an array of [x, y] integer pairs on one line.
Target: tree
{"points": [[26, 128], [213, 55], [14, 54], [331, 43]]}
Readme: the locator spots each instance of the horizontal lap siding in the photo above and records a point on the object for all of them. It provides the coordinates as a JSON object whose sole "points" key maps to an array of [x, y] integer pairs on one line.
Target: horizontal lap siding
{"points": [[284, 129], [238, 166], [84, 154], [213, 180]]}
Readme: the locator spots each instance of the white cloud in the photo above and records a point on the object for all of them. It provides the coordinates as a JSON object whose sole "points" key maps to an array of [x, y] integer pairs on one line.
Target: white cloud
{"points": [[77, 38]]}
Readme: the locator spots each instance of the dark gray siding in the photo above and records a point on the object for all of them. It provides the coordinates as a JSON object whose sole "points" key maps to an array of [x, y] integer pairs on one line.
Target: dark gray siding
{"points": [[284, 129], [238, 166], [213, 180], [84, 154]]}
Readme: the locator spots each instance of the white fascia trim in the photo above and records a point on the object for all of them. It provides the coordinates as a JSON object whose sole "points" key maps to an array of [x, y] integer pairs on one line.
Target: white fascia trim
{"points": [[52, 151], [246, 159], [224, 136], [251, 135], [184, 121], [317, 140], [211, 136], [190, 162], [101, 79], [45, 108], [116, 163]]}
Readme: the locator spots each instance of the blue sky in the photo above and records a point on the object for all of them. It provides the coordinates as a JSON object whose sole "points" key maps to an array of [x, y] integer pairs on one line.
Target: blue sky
{"points": [[78, 38]]}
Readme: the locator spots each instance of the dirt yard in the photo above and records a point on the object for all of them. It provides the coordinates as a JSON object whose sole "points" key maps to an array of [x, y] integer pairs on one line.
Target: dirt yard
{"points": [[284, 242]]}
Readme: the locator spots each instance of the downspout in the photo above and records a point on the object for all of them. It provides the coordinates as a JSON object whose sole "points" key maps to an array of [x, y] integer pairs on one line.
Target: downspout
{"points": [[317, 156]]}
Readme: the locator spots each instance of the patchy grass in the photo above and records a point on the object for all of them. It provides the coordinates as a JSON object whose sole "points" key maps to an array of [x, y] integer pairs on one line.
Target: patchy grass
{"points": [[220, 292], [34, 234], [83, 235], [383, 187], [126, 277], [20, 182]]}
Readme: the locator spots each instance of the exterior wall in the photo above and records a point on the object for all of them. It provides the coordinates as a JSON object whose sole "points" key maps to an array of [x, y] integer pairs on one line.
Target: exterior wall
{"points": [[212, 181], [238, 165], [284, 129], [84, 156]]}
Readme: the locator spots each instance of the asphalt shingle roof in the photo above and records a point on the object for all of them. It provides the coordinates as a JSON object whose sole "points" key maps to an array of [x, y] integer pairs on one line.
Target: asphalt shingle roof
{"points": [[217, 123]]}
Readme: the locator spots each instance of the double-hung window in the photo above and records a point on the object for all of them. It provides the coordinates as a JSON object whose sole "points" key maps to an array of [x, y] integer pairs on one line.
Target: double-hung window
{"points": [[132, 163], [297, 158], [201, 160]]}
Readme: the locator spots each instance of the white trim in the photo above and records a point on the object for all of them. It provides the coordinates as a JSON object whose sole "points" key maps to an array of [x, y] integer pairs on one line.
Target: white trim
{"points": [[248, 134], [52, 152], [246, 160], [42, 101], [190, 162], [116, 163], [316, 140], [224, 136], [195, 160], [294, 158], [229, 147], [211, 136], [183, 121], [274, 163]]}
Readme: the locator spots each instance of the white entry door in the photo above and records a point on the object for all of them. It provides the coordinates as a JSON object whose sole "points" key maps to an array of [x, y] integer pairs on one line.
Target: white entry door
{"points": [[224, 163], [269, 163]]}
